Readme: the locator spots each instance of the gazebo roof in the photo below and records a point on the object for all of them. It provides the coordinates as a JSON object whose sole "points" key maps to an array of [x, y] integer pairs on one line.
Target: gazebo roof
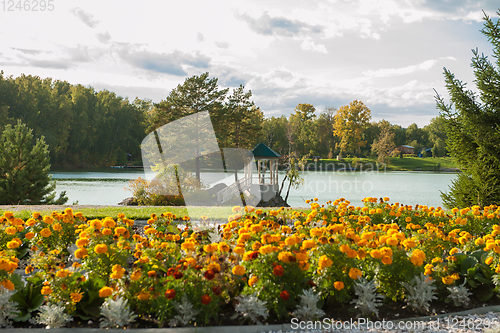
{"points": [[263, 151]]}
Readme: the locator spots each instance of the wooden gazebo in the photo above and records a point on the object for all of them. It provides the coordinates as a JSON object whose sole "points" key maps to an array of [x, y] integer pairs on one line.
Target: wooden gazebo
{"points": [[267, 159]]}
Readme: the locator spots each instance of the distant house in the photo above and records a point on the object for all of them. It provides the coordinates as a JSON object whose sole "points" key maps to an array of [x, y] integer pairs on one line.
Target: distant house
{"points": [[406, 149]]}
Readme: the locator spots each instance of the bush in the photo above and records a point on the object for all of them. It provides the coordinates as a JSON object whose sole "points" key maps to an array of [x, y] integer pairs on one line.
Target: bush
{"points": [[25, 169]]}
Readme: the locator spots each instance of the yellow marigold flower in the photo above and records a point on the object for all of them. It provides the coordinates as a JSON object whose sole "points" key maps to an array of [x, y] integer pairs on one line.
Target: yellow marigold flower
{"points": [[108, 222], [11, 230], [223, 247], [62, 273], [417, 257], [7, 284], [386, 260], [136, 275], [187, 246], [339, 285], [239, 250], [488, 261], [308, 244], [214, 267], [301, 256], [81, 253], [266, 249], [447, 280], [82, 242], [105, 292], [454, 250], [117, 272], [252, 281], [393, 241], [355, 273], [256, 245], [376, 254], [120, 230], [324, 262], [238, 270], [285, 256], [244, 237], [57, 227], [29, 235], [45, 232], [76, 297], [46, 290], [13, 244], [100, 248], [48, 219]]}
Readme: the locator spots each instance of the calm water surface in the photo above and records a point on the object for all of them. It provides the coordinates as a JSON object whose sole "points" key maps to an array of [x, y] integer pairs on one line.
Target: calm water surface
{"points": [[109, 187]]}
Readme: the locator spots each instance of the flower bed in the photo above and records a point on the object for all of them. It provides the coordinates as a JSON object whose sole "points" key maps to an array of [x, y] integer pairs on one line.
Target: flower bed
{"points": [[258, 267]]}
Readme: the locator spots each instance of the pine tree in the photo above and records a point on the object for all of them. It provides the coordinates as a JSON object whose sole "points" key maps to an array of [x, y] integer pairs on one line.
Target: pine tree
{"points": [[25, 169], [472, 124]]}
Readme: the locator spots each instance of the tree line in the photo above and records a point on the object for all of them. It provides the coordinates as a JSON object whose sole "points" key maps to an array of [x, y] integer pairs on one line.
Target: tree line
{"points": [[82, 127], [88, 128]]}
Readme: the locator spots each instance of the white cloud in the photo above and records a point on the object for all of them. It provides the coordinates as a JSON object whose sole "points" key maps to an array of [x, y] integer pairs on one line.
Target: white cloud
{"points": [[310, 45], [385, 72]]}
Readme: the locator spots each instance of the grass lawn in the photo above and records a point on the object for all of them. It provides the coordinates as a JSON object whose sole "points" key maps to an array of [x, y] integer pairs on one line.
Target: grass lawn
{"points": [[131, 212], [396, 164]]}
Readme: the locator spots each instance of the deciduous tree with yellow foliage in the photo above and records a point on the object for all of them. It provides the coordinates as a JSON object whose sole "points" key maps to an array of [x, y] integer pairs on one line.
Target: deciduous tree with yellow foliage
{"points": [[349, 124]]}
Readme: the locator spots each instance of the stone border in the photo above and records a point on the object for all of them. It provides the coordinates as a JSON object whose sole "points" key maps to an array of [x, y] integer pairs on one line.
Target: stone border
{"points": [[239, 329]]}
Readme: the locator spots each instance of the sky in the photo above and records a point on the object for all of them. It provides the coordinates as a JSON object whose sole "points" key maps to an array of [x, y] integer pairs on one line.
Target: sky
{"points": [[389, 54]]}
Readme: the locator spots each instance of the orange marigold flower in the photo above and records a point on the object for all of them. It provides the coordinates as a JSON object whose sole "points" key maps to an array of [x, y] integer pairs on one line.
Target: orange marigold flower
{"points": [[324, 262], [253, 280], [81, 253], [339, 285], [76, 297], [238, 270], [46, 290], [105, 292], [101, 248], [45, 232], [355, 273]]}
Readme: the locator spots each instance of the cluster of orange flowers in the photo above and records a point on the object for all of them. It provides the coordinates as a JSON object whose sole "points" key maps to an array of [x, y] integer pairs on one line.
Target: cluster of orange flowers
{"points": [[330, 245]]}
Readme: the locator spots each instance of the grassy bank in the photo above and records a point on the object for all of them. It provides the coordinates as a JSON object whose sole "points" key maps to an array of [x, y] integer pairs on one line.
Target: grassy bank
{"points": [[395, 164], [131, 212]]}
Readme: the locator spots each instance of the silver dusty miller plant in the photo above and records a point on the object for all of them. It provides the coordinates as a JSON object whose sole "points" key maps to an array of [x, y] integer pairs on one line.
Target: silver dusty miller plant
{"points": [[214, 235], [308, 307], [185, 311], [368, 299], [8, 309], [420, 293], [116, 313], [250, 307], [52, 316], [459, 295]]}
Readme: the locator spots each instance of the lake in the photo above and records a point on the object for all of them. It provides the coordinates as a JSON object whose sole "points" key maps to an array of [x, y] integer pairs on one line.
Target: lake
{"points": [[109, 187]]}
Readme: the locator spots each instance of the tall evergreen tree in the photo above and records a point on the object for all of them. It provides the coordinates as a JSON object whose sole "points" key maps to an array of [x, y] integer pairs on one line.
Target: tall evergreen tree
{"points": [[25, 169], [472, 124]]}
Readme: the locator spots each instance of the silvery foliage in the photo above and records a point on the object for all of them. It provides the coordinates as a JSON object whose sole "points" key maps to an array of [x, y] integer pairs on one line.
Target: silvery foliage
{"points": [[421, 292], [459, 295], [316, 224], [249, 306], [214, 236], [52, 316], [308, 307], [8, 308], [368, 299], [185, 311], [116, 313], [496, 281]]}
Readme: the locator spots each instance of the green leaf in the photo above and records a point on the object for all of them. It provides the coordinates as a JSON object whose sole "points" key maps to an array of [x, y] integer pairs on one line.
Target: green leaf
{"points": [[36, 302], [482, 279], [23, 318], [484, 293], [467, 263], [18, 281]]}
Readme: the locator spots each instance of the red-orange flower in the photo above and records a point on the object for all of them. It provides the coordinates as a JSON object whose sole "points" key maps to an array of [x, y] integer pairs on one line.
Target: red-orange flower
{"points": [[206, 299], [278, 270], [209, 274], [217, 290], [285, 295], [178, 275], [170, 293]]}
